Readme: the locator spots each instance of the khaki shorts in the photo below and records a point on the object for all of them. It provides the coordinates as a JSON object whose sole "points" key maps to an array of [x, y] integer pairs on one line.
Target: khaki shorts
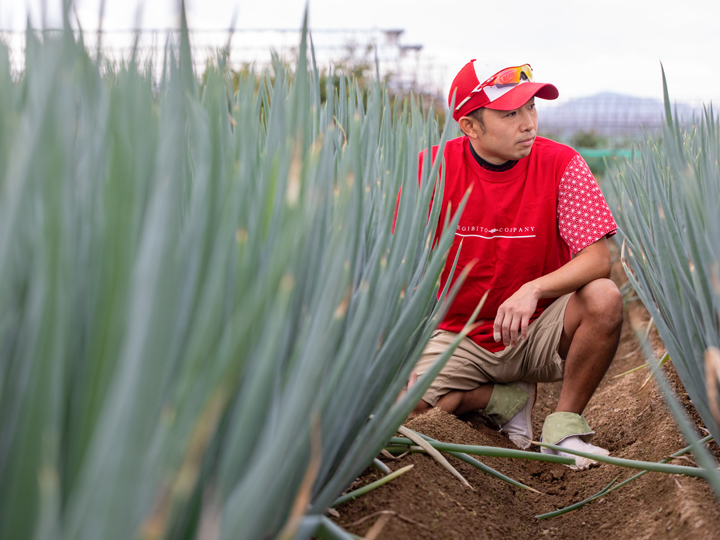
{"points": [[534, 359]]}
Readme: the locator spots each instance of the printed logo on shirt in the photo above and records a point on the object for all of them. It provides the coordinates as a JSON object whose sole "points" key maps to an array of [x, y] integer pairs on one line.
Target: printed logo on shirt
{"points": [[495, 232]]}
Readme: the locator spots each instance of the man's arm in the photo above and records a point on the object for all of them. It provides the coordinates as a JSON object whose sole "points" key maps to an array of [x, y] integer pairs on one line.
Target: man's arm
{"points": [[513, 316]]}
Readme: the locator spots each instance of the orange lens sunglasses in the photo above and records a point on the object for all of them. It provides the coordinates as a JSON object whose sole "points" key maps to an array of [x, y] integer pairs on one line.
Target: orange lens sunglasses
{"points": [[511, 75]]}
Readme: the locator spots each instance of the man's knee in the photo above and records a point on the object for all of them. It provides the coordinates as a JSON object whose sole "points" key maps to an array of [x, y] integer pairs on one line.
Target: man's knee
{"points": [[602, 303], [422, 407]]}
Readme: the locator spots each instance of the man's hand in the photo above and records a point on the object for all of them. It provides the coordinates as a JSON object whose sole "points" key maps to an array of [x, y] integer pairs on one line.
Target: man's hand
{"points": [[411, 381], [513, 315], [589, 264]]}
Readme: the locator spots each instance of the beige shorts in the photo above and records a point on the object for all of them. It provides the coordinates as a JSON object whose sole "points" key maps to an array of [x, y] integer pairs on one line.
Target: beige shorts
{"points": [[534, 359]]}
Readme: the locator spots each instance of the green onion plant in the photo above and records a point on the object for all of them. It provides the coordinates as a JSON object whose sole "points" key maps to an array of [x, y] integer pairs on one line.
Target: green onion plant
{"points": [[205, 314], [666, 204]]}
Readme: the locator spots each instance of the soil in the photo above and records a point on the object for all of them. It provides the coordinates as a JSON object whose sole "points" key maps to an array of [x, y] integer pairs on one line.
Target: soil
{"points": [[427, 502]]}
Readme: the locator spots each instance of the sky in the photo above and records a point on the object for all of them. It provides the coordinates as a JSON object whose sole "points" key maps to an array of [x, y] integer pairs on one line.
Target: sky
{"points": [[583, 48]]}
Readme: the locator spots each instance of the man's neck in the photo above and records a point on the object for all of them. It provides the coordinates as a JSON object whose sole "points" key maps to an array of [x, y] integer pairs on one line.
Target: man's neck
{"points": [[490, 166]]}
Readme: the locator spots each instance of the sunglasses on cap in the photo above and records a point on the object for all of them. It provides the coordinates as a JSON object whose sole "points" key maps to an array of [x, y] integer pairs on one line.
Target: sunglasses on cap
{"points": [[505, 77]]}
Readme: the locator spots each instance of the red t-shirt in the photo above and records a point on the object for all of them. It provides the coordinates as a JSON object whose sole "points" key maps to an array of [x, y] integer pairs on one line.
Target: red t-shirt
{"points": [[517, 225]]}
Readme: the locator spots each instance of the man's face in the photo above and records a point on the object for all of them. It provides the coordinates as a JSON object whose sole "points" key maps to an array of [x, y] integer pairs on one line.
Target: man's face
{"points": [[507, 135]]}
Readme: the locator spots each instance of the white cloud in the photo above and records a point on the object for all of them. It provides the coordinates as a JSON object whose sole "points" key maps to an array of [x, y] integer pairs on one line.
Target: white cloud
{"points": [[582, 47]]}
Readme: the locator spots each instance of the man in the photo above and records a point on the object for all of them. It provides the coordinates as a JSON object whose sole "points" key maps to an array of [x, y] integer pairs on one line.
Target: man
{"points": [[533, 233]]}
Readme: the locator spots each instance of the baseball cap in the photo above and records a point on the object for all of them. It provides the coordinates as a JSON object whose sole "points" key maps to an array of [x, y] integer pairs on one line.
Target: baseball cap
{"points": [[503, 89]]}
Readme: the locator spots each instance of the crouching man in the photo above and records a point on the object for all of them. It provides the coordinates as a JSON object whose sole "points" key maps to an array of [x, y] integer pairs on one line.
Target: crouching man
{"points": [[534, 234]]}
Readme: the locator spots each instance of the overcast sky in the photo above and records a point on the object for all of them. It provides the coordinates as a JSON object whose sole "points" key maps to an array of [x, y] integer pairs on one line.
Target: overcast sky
{"points": [[582, 47]]}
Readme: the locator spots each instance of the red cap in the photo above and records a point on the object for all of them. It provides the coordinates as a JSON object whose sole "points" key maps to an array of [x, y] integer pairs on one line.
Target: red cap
{"points": [[467, 81]]}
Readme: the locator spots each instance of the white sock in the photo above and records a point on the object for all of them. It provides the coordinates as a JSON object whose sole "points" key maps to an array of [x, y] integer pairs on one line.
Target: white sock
{"points": [[519, 428], [574, 442]]}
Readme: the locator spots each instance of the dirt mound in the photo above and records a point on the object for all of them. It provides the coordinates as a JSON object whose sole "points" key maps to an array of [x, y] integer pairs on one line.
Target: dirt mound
{"points": [[427, 502]]}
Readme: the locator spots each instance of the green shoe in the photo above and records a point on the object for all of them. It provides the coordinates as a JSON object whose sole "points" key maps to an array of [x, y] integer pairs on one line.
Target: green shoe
{"points": [[561, 425], [505, 402], [571, 431]]}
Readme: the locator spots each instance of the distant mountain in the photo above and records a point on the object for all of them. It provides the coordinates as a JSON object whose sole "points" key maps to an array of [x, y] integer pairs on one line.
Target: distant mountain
{"points": [[607, 113]]}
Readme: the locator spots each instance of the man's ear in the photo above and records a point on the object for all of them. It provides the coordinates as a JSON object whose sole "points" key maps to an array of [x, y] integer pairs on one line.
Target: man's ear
{"points": [[469, 127]]}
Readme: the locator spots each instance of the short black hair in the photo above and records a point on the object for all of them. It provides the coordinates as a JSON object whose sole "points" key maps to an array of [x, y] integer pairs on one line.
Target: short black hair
{"points": [[478, 114]]}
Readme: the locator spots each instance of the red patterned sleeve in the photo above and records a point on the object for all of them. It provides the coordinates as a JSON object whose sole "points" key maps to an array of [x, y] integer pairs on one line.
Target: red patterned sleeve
{"points": [[583, 214]]}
